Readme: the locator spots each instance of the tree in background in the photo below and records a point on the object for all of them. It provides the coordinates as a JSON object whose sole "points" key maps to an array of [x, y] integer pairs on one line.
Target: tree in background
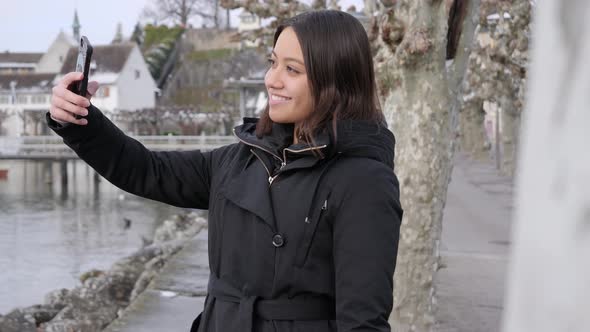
{"points": [[421, 49], [274, 10], [497, 75], [511, 58], [180, 12], [159, 44], [473, 138], [138, 36]]}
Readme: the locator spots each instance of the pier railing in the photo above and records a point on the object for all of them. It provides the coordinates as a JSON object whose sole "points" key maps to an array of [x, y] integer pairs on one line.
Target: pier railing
{"points": [[52, 147]]}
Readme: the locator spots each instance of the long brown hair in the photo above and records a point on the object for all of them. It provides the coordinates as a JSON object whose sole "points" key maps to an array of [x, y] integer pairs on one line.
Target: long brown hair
{"points": [[339, 66]]}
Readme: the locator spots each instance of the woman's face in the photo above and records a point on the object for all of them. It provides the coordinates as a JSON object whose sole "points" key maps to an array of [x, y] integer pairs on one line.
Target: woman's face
{"points": [[289, 94]]}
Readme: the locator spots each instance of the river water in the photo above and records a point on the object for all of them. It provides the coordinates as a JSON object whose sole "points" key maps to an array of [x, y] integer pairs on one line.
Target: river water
{"points": [[49, 237]]}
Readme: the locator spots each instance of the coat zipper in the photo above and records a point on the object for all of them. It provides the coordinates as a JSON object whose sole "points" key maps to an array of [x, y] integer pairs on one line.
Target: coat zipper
{"points": [[270, 177], [302, 150]]}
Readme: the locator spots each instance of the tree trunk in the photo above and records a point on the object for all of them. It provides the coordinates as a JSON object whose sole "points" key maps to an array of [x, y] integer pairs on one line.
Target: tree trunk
{"points": [[419, 99], [497, 73], [510, 122], [548, 284], [473, 136], [511, 57], [474, 139], [184, 13], [216, 15]]}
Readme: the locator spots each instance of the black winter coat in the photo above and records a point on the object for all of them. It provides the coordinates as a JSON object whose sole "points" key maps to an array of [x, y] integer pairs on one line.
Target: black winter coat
{"points": [[296, 242]]}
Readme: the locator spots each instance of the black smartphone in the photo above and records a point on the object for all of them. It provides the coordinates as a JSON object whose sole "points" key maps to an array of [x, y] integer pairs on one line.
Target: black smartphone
{"points": [[83, 66]]}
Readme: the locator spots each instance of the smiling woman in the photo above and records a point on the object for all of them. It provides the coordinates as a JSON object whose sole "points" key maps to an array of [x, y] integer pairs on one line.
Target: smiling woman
{"points": [[290, 99], [320, 75], [304, 210]]}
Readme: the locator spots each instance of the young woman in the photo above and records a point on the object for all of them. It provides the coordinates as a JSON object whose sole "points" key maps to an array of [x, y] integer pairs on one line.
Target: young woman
{"points": [[304, 210]]}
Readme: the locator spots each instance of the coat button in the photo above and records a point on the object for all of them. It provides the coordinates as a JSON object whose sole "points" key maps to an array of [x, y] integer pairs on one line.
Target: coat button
{"points": [[278, 240]]}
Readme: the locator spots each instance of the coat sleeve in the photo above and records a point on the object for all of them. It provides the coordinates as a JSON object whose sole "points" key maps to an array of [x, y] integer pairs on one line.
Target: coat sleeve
{"points": [[178, 178], [366, 234]]}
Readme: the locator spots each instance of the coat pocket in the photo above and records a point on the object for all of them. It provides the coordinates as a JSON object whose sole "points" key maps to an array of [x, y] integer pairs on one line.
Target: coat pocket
{"points": [[318, 211]]}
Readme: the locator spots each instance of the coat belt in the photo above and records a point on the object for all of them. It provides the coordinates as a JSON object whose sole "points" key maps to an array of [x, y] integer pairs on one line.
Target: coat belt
{"points": [[275, 309]]}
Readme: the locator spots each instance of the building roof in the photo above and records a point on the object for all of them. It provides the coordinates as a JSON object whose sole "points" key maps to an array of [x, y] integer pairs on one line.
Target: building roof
{"points": [[27, 81], [9, 57], [108, 58]]}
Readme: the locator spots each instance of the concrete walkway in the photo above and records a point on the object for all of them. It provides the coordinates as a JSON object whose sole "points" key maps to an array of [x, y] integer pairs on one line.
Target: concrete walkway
{"points": [[176, 295], [474, 249]]}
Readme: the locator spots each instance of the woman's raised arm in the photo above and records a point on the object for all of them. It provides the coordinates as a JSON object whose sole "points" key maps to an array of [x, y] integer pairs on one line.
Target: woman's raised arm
{"points": [[180, 178]]}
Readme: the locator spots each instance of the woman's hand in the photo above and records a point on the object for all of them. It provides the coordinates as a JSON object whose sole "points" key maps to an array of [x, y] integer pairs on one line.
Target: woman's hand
{"points": [[65, 104]]}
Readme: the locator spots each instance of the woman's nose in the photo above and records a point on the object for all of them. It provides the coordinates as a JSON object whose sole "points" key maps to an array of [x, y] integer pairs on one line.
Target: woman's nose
{"points": [[272, 79]]}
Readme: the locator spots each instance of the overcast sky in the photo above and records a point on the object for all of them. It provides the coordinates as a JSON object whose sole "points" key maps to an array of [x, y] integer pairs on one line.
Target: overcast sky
{"points": [[32, 25]]}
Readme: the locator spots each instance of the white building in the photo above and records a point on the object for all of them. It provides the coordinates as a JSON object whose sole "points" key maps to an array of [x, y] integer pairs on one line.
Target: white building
{"points": [[26, 80], [24, 100], [248, 21], [122, 74], [15, 63], [53, 59]]}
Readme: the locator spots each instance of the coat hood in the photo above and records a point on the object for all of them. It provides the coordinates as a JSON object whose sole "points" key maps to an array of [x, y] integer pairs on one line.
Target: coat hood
{"points": [[353, 138]]}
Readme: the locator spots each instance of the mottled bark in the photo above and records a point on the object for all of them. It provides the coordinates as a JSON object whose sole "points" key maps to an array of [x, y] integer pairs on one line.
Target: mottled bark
{"points": [[510, 123], [497, 74], [458, 67], [509, 54], [473, 139], [548, 282], [472, 132], [418, 97]]}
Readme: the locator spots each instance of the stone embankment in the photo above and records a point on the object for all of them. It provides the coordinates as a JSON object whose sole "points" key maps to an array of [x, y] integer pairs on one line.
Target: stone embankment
{"points": [[103, 295]]}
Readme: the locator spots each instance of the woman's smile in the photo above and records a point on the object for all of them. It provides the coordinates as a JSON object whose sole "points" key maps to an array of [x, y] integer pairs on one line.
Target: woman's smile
{"points": [[277, 99]]}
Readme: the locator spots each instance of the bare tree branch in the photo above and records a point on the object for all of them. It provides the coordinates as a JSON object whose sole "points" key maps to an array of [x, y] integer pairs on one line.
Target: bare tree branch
{"points": [[182, 11]]}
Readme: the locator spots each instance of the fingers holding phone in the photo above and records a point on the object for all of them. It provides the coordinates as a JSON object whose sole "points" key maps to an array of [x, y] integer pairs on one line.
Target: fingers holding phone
{"points": [[72, 95], [66, 105], [92, 88]]}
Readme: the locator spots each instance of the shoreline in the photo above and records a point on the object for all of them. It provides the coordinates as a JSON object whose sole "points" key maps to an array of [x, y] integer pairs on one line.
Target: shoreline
{"points": [[103, 296]]}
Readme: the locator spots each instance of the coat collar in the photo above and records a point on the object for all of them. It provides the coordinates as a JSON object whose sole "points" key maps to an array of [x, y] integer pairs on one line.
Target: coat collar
{"points": [[353, 138], [279, 145]]}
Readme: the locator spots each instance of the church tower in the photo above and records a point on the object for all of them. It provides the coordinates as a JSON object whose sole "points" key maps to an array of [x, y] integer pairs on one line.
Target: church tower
{"points": [[118, 35], [76, 27]]}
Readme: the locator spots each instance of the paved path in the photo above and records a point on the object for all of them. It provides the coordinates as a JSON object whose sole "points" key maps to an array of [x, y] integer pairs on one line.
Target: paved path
{"points": [[176, 295], [474, 249]]}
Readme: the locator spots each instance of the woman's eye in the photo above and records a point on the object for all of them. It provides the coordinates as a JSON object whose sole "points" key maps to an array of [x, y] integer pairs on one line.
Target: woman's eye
{"points": [[289, 69]]}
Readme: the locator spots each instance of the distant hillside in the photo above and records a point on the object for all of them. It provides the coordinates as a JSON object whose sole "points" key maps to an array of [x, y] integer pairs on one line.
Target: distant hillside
{"points": [[198, 79]]}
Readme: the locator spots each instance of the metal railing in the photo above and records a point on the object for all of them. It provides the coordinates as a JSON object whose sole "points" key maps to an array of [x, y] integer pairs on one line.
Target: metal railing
{"points": [[52, 147]]}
